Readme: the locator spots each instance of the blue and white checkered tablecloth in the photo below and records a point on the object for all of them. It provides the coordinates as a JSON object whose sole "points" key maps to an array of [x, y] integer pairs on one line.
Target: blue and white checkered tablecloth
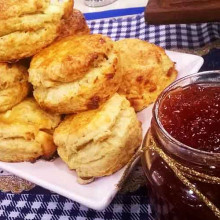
{"points": [[168, 36], [49, 206], [39, 203]]}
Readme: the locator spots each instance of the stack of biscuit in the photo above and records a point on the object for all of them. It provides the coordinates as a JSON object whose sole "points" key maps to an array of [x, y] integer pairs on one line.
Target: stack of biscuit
{"points": [[79, 76], [94, 84], [26, 27]]}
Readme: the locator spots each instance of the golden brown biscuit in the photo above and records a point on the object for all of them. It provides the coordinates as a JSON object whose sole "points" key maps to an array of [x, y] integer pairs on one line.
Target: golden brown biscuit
{"points": [[33, 25], [73, 25], [26, 132], [99, 142], [14, 85], [146, 71], [75, 74]]}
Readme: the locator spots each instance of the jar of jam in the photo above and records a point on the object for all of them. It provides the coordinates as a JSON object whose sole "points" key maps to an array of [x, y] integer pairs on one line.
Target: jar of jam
{"points": [[181, 157]]}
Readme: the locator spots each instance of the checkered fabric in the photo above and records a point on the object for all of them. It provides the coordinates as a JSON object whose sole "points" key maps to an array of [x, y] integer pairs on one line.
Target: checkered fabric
{"points": [[55, 207], [39, 203], [167, 36]]}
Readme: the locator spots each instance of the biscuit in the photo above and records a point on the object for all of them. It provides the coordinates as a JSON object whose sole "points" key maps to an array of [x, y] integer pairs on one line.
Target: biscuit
{"points": [[14, 85], [75, 74], [99, 142], [26, 133], [73, 25], [146, 70], [33, 26]]}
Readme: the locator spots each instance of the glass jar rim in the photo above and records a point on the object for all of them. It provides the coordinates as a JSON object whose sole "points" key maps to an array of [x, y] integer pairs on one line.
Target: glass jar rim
{"points": [[159, 124]]}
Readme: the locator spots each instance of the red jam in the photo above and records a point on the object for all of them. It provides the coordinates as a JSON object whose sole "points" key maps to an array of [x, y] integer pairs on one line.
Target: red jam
{"points": [[191, 115], [184, 183]]}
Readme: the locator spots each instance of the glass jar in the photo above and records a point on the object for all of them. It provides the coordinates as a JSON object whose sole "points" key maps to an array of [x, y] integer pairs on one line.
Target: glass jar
{"points": [[183, 182]]}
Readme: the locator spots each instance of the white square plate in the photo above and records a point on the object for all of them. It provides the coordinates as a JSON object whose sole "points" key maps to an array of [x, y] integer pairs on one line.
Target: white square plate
{"points": [[55, 175]]}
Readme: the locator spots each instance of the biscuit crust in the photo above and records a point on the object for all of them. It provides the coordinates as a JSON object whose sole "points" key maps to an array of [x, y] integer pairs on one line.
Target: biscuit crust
{"points": [[11, 8], [69, 59], [146, 71], [26, 44], [99, 142], [75, 74], [26, 133], [75, 24], [14, 86]]}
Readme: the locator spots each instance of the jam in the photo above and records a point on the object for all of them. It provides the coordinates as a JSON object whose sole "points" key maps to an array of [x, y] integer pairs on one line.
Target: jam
{"points": [[181, 160], [193, 111], [171, 199]]}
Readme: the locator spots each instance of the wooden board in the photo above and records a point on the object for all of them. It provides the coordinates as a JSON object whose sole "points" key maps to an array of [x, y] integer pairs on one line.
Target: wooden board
{"points": [[182, 11]]}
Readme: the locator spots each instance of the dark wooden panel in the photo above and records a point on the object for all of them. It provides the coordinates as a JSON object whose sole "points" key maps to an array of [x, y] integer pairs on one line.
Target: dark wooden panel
{"points": [[182, 11]]}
